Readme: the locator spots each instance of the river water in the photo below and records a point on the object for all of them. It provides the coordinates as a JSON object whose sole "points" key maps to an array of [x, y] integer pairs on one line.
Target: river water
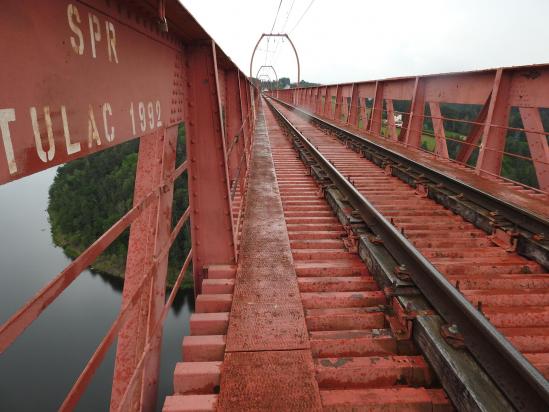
{"points": [[38, 370]]}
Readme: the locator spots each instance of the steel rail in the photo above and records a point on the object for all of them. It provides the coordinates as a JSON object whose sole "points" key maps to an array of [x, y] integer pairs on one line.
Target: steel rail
{"points": [[523, 384], [526, 219]]}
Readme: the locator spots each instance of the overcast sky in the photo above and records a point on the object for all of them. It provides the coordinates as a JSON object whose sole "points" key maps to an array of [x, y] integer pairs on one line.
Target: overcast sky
{"points": [[351, 40]]}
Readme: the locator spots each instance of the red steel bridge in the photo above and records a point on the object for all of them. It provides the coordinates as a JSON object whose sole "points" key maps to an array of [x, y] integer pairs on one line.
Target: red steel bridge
{"points": [[355, 246]]}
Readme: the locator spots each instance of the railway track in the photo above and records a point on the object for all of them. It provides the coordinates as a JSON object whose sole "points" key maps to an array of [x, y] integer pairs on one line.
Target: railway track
{"points": [[358, 360], [507, 293]]}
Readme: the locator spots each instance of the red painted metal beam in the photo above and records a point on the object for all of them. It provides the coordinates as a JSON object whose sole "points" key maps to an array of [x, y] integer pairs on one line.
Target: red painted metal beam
{"points": [[92, 75], [374, 121], [474, 135], [211, 223], [338, 104], [233, 119], [537, 143], [391, 126], [523, 87], [441, 148], [494, 133], [352, 118], [327, 108], [66, 92], [132, 337], [157, 292], [415, 121]]}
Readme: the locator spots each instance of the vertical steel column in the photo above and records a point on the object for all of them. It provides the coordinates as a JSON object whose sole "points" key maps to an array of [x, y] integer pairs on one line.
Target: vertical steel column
{"points": [[336, 115], [233, 119], [537, 143], [318, 106], [158, 286], [251, 118], [495, 129], [363, 114], [242, 145], [466, 149], [132, 337], [404, 129], [344, 108], [391, 126], [352, 118], [441, 149], [374, 122], [246, 116], [327, 102], [211, 222], [415, 120]]}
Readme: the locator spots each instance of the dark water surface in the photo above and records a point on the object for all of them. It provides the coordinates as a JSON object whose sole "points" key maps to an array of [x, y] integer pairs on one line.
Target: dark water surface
{"points": [[38, 370]]}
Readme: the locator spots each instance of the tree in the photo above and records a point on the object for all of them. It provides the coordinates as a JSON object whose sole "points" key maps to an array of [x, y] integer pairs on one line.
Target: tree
{"points": [[90, 194]]}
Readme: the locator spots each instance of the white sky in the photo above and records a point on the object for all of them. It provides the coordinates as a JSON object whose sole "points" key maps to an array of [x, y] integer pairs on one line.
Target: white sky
{"points": [[352, 40]]}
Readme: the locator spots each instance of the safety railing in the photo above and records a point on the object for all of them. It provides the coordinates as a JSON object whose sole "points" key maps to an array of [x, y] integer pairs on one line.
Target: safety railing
{"points": [[200, 88], [494, 121]]}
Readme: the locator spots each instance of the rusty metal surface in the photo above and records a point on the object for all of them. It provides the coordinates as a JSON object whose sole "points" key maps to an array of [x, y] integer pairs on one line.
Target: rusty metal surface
{"points": [[498, 189], [66, 92], [212, 225], [375, 194], [274, 381], [496, 91], [131, 339], [353, 342], [87, 75], [267, 347], [266, 313]]}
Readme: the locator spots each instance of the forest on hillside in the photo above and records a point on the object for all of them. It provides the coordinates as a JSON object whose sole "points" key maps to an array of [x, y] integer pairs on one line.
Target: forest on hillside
{"points": [[90, 194], [282, 83]]}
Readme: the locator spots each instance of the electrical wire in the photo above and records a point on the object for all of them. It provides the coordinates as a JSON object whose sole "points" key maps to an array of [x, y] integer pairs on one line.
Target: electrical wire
{"points": [[297, 23], [272, 28], [303, 15], [276, 17], [279, 40]]}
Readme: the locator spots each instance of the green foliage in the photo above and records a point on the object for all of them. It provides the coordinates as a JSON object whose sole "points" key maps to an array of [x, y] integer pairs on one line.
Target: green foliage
{"points": [[282, 83], [90, 194], [305, 83]]}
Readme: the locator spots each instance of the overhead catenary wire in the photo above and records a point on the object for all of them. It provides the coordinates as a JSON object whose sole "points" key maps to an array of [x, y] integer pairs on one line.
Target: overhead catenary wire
{"points": [[279, 40], [303, 15], [276, 17], [297, 24], [272, 28]]}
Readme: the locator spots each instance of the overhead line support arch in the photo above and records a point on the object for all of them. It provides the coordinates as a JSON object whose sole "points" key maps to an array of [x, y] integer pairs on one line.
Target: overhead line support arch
{"points": [[285, 35]]}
